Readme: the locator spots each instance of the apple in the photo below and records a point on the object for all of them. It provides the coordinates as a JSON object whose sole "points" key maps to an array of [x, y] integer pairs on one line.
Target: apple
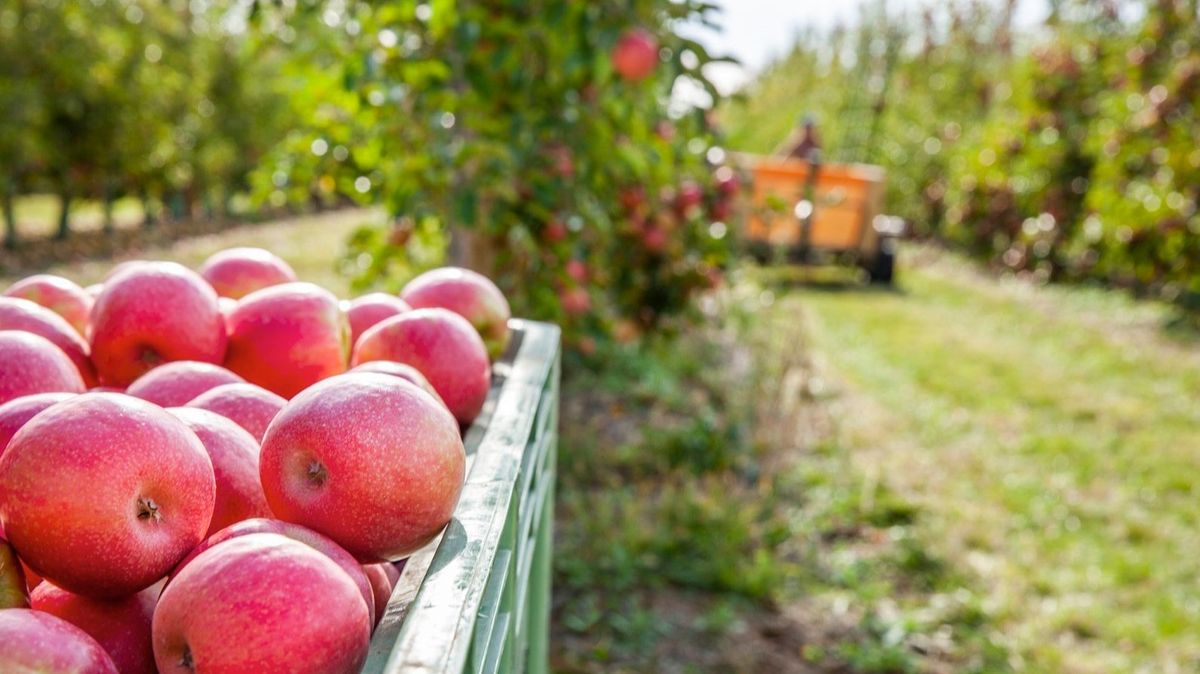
{"points": [[296, 532], [443, 346], [237, 272], [234, 455], [654, 239], [468, 294], [19, 314], [721, 210], [555, 231], [57, 294], [288, 337], [265, 604], [177, 383], [577, 270], [727, 182], [369, 460], [689, 197], [93, 290], [132, 490], [635, 55], [150, 313], [39, 643], [14, 593], [365, 311], [15, 413], [383, 583], [403, 371], [120, 626], [632, 198], [31, 364], [575, 301], [249, 406]]}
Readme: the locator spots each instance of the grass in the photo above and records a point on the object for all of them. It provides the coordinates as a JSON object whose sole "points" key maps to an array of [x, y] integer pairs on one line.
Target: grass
{"points": [[313, 244], [1051, 439], [964, 475]]}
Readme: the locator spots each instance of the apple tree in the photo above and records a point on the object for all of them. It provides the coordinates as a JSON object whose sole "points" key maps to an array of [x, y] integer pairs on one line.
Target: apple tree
{"points": [[543, 142]]}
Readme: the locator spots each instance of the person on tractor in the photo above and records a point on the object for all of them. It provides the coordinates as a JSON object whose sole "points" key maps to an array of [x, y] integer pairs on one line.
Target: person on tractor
{"points": [[803, 143]]}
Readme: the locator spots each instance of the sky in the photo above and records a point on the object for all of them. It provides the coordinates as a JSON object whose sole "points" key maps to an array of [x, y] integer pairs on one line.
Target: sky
{"points": [[756, 31]]}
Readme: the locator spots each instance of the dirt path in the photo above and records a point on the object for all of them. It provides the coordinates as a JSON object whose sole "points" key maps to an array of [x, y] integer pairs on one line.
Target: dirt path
{"points": [[1052, 439]]}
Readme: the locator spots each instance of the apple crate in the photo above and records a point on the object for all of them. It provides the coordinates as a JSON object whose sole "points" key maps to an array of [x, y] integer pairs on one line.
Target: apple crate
{"points": [[477, 598]]}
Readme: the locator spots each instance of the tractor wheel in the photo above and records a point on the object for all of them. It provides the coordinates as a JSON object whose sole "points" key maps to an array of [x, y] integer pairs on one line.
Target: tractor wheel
{"points": [[882, 267]]}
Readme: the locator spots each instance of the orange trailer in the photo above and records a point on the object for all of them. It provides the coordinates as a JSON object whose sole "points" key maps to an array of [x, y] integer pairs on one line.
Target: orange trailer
{"points": [[834, 213]]}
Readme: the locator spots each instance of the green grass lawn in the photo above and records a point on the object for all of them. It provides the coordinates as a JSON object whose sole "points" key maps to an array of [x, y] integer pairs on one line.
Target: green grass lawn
{"points": [[1050, 438], [312, 244]]}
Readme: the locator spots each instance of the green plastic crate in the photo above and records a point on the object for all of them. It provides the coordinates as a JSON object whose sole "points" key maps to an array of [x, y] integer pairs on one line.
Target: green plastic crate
{"points": [[477, 598]]}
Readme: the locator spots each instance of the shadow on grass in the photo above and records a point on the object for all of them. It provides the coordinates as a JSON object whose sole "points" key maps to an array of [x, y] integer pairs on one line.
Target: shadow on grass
{"points": [[1183, 327], [823, 278]]}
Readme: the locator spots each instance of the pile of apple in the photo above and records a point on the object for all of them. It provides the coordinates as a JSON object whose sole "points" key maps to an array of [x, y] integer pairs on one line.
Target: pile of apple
{"points": [[223, 471]]}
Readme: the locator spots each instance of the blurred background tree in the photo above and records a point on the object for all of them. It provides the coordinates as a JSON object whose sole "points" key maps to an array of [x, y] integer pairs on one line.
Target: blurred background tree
{"points": [[1064, 152]]}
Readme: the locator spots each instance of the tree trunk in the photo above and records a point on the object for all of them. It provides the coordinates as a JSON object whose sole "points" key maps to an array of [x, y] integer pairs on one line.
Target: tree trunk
{"points": [[109, 225], [64, 214], [178, 205], [149, 218], [471, 250], [10, 218]]}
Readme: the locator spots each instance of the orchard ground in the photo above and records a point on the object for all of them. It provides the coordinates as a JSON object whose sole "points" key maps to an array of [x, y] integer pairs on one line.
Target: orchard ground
{"points": [[964, 474]]}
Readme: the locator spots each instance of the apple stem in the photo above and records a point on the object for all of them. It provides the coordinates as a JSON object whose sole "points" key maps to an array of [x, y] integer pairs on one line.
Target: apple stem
{"points": [[186, 660], [148, 509], [316, 473]]}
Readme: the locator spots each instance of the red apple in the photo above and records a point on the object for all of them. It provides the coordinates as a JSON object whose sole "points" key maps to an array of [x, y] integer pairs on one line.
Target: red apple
{"points": [[468, 294], [261, 604], [287, 337], [365, 311], [443, 346], [635, 55], [555, 231], [120, 626], [150, 313], [19, 314], [57, 294], [369, 460], [633, 197], [689, 197], [727, 182], [575, 301], [14, 593], [175, 384], [381, 584], [577, 270], [15, 413], [307, 536], [721, 210], [234, 455], [654, 239], [32, 364], [237, 272], [39, 643], [132, 490], [405, 372], [249, 406]]}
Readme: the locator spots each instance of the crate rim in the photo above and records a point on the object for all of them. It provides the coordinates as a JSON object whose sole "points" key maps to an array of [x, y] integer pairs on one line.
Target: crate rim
{"points": [[456, 565]]}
